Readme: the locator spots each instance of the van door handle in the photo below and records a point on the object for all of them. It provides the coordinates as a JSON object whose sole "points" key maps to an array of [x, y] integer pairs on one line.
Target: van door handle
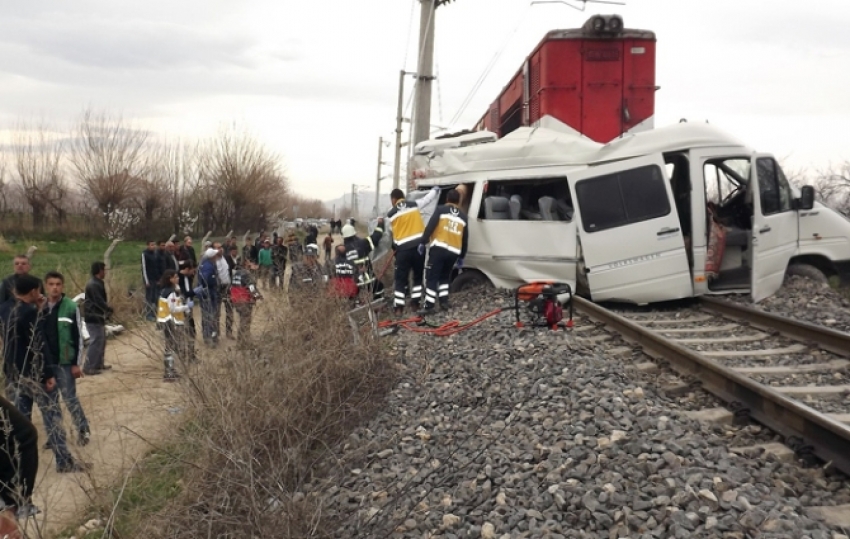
{"points": [[665, 231], [765, 229]]}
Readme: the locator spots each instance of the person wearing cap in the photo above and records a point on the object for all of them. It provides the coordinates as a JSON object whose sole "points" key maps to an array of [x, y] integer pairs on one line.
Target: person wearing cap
{"points": [[307, 274], [207, 292], [266, 262]]}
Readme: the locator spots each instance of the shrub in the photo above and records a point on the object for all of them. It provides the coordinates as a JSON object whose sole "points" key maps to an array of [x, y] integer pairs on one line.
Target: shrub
{"points": [[270, 414]]}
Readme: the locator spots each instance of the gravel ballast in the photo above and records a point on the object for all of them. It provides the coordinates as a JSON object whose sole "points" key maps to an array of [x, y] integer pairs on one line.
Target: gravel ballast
{"points": [[807, 300], [499, 432]]}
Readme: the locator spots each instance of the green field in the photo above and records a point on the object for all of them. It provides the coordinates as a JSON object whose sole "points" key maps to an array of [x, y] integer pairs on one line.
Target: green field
{"points": [[74, 258]]}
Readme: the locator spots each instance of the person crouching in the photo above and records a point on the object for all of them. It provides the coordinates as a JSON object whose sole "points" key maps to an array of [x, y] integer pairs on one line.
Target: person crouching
{"points": [[171, 316]]}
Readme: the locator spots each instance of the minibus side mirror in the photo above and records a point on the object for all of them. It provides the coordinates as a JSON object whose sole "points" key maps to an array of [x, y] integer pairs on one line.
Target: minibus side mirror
{"points": [[807, 198]]}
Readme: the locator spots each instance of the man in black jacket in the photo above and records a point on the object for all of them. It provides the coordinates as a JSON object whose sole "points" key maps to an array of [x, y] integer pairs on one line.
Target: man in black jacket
{"points": [[7, 287], [30, 367], [151, 275], [97, 310]]}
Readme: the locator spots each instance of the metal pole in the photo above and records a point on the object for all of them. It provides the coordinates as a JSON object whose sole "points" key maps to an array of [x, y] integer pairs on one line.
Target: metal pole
{"points": [[424, 75], [354, 204], [398, 121], [378, 177]]}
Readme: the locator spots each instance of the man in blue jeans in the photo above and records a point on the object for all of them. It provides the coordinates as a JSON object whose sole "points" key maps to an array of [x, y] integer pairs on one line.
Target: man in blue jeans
{"points": [[64, 339], [30, 367]]}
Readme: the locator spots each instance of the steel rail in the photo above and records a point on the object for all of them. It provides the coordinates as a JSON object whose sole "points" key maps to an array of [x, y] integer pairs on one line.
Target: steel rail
{"points": [[834, 341], [828, 439]]}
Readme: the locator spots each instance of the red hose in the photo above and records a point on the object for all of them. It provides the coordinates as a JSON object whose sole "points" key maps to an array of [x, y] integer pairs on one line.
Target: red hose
{"points": [[446, 330]]}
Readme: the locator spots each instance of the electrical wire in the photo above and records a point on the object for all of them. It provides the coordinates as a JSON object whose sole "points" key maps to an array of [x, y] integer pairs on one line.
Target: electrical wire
{"points": [[489, 68], [409, 33]]}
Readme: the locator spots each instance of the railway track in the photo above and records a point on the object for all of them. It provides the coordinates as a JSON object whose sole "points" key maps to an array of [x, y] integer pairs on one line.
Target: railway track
{"points": [[791, 376]]}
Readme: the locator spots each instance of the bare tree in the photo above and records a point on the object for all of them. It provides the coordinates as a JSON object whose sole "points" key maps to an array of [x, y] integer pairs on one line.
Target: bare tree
{"points": [[39, 172], [242, 184], [175, 169], [108, 157], [832, 187]]}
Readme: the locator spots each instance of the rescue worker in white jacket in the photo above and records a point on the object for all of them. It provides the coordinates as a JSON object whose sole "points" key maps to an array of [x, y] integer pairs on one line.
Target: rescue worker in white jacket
{"points": [[446, 238]]}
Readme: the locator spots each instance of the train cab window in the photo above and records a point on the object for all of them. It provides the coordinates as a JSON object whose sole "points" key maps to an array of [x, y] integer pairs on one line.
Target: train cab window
{"points": [[527, 199], [622, 198]]}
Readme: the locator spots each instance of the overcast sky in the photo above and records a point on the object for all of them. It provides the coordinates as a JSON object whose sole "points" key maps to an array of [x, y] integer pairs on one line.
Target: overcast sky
{"points": [[317, 79]]}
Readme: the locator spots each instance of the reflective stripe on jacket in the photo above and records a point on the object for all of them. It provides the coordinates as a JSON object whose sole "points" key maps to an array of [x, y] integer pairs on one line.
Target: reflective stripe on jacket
{"points": [[447, 229]]}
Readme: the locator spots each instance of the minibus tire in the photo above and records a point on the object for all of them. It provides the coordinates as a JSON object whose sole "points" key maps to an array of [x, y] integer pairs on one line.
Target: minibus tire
{"points": [[468, 279], [807, 271]]}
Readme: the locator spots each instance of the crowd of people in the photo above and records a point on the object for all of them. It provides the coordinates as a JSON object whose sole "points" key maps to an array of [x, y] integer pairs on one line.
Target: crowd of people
{"points": [[43, 345], [41, 330]]}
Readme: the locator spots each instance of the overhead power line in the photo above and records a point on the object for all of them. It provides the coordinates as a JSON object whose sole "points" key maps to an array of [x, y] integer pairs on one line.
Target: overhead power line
{"points": [[488, 69]]}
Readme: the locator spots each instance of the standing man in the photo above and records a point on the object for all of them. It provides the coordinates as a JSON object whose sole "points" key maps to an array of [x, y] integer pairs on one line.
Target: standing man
{"points": [[30, 367], [150, 274], [97, 310], [207, 291], [266, 263], [307, 274], [187, 252], [187, 274], [18, 466], [446, 237], [169, 259], [407, 227], [21, 264], [279, 252], [328, 244], [224, 272], [64, 339], [244, 294]]}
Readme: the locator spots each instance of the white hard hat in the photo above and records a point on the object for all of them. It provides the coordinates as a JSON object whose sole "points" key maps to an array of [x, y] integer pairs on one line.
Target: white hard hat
{"points": [[348, 231]]}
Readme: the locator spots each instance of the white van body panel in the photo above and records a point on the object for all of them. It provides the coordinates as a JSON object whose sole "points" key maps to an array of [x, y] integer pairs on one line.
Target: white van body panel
{"points": [[775, 236], [641, 261], [824, 232]]}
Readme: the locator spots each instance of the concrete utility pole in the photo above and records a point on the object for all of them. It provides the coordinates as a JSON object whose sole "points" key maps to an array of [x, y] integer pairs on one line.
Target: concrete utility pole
{"points": [[354, 202], [399, 120], [378, 177], [424, 73]]}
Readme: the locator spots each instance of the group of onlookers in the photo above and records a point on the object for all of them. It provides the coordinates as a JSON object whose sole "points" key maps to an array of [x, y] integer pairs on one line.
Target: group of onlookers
{"points": [[43, 343]]}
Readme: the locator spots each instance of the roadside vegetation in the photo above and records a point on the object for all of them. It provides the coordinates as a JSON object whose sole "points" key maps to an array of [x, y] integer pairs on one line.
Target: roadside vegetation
{"points": [[260, 422]]}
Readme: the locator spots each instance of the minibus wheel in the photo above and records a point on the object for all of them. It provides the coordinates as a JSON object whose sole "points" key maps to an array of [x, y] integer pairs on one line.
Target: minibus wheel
{"points": [[807, 271]]}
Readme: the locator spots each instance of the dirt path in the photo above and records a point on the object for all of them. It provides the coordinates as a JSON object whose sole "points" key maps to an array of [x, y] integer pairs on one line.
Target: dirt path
{"points": [[124, 405]]}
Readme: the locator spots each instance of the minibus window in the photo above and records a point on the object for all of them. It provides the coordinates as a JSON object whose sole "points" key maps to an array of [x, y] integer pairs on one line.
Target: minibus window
{"points": [[774, 190], [622, 198]]}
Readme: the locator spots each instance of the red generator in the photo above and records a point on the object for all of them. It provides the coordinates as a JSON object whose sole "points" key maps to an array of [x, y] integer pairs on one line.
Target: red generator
{"points": [[598, 79]]}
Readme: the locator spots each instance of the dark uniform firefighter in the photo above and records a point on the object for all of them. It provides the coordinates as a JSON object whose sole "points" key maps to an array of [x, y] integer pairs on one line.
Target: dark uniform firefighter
{"points": [[407, 227], [446, 237], [357, 251], [343, 283]]}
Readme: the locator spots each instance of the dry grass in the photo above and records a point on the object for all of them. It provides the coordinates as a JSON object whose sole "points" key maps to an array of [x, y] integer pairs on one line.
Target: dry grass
{"points": [[266, 418]]}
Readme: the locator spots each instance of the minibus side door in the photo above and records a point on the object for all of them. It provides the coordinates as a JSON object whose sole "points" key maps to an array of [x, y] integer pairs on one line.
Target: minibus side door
{"points": [[631, 239]]}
